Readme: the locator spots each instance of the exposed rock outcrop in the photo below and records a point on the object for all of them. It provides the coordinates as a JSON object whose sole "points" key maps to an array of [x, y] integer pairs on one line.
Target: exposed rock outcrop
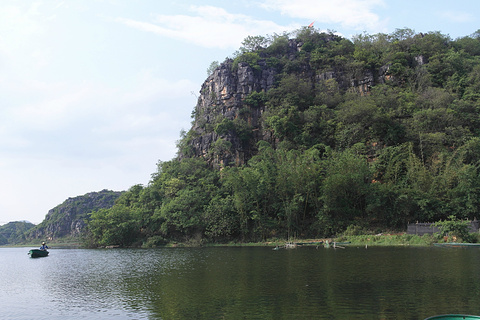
{"points": [[222, 101], [68, 218], [222, 97]]}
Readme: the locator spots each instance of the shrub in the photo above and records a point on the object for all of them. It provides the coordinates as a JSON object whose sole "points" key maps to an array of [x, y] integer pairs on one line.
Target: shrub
{"points": [[354, 230], [154, 241], [455, 228]]}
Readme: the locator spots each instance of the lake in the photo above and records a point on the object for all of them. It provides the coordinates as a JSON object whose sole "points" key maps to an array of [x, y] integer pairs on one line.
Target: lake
{"points": [[240, 283]]}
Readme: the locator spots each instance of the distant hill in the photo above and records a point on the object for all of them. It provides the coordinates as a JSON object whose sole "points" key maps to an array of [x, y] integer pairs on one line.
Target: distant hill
{"points": [[68, 218], [14, 232]]}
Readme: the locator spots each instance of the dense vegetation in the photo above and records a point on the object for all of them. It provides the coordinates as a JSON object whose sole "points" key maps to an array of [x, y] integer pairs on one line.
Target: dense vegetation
{"points": [[406, 150], [14, 232], [68, 219]]}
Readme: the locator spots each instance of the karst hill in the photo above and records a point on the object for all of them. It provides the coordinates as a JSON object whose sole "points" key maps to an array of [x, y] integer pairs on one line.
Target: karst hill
{"points": [[310, 134]]}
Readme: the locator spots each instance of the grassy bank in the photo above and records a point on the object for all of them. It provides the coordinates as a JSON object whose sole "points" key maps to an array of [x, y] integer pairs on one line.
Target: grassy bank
{"points": [[394, 239], [384, 239], [66, 242], [388, 239]]}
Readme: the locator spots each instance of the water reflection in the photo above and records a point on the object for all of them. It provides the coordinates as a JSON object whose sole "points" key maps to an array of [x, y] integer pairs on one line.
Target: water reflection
{"points": [[100, 281], [241, 283]]}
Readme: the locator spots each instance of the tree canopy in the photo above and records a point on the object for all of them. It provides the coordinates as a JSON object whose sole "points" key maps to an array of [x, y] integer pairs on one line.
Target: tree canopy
{"points": [[406, 149]]}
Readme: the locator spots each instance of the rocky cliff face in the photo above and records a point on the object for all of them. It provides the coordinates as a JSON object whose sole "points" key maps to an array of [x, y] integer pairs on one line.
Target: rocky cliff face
{"points": [[226, 128], [68, 218], [222, 97]]}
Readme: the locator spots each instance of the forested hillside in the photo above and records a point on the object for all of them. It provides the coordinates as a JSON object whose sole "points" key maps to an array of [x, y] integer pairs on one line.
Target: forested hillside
{"points": [[304, 134], [68, 219], [14, 232]]}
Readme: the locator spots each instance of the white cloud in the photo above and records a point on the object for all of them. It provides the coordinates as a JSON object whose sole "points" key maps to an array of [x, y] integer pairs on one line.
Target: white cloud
{"points": [[354, 14], [51, 112], [82, 138], [209, 26], [151, 87], [41, 105], [21, 28]]}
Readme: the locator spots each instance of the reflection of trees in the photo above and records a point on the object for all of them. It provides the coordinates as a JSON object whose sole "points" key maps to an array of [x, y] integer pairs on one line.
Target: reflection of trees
{"points": [[259, 283], [237, 283]]}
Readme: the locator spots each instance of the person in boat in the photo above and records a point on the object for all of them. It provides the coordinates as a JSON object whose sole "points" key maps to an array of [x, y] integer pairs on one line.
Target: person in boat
{"points": [[44, 246]]}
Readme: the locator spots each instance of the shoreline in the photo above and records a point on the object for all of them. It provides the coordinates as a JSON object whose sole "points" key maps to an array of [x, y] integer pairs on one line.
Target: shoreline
{"points": [[388, 239]]}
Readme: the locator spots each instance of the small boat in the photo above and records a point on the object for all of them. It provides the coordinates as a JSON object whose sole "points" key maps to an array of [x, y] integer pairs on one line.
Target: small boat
{"points": [[453, 317], [37, 253]]}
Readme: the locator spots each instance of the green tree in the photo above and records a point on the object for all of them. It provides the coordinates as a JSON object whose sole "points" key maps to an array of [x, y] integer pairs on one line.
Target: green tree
{"points": [[298, 186], [455, 228], [222, 221], [345, 191], [185, 188], [250, 58], [253, 43], [115, 226], [252, 188], [214, 65], [320, 156]]}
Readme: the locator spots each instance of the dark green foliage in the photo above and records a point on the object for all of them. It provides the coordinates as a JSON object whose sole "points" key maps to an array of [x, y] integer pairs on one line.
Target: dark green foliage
{"points": [[116, 226], [253, 43], [345, 190], [183, 145], [69, 218], [14, 232], [224, 127], [454, 227], [256, 99], [338, 155], [250, 58], [278, 46], [222, 222]]}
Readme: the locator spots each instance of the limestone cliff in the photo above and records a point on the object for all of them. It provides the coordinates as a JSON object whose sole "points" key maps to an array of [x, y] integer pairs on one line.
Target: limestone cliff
{"points": [[68, 218], [222, 98], [227, 126]]}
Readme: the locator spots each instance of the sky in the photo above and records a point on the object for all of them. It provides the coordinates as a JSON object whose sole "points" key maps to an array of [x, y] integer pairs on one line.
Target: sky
{"points": [[94, 93]]}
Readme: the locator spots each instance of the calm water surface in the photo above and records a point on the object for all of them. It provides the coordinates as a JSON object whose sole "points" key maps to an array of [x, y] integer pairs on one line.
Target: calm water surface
{"points": [[240, 283]]}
